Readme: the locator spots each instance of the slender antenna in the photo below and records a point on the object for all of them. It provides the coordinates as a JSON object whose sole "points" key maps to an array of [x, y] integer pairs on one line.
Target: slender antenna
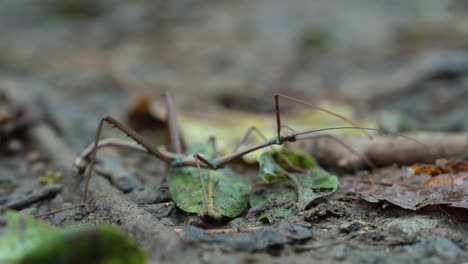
{"points": [[172, 124], [278, 118], [246, 136]]}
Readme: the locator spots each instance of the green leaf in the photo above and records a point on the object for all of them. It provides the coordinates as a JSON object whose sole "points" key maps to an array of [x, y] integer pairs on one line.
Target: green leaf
{"points": [[29, 240], [274, 201], [22, 234], [86, 244], [298, 160], [226, 192], [206, 148], [269, 169], [312, 185], [279, 167], [272, 215], [260, 197]]}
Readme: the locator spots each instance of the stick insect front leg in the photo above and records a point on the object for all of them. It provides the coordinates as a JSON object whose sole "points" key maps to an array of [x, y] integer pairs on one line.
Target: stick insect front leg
{"points": [[129, 132], [141, 144]]}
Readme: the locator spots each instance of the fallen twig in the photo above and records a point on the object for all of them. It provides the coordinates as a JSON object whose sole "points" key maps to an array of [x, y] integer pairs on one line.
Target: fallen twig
{"points": [[226, 230], [385, 150], [47, 192]]}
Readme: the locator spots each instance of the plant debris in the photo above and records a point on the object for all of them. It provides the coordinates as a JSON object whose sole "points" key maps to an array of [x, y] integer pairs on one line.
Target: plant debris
{"points": [[50, 177], [446, 190]]}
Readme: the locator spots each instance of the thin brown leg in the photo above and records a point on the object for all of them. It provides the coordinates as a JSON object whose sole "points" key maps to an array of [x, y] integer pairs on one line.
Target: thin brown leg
{"points": [[278, 117], [200, 157], [246, 136], [289, 128], [129, 132], [80, 161], [255, 129]]}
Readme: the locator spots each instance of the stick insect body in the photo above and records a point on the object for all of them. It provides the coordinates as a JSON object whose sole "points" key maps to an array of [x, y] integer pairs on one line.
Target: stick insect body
{"points": [[177, 159]]}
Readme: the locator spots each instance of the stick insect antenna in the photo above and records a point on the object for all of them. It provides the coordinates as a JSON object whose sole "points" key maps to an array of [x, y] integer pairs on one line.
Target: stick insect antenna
{"points": [[278, 118]]}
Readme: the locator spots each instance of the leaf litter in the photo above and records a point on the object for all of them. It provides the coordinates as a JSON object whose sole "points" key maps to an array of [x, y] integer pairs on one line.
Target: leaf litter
{"points": [[410, 189]]}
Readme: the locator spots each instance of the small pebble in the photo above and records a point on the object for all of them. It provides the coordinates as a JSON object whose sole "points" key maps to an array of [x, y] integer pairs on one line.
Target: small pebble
{"points": [[33, 156], [15, 145]]}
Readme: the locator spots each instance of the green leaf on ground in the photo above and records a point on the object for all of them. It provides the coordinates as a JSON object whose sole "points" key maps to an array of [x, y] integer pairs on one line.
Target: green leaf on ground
{"points": [[274, 202], [282, 169], [290, 160], [269, 169], [29, 240], [206, 148], [21, 234], [227, 193], [312, 185]]}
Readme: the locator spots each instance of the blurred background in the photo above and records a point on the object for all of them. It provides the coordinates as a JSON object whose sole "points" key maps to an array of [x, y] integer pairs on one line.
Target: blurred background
{"points": [[405, 63]]}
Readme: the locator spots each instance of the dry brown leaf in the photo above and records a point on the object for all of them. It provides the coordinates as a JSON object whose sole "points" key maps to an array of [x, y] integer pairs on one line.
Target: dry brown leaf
{"points": [[445, 190]]}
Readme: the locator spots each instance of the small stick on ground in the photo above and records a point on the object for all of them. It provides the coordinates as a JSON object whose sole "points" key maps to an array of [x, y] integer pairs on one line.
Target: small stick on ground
{"points": [[227, 230], [47, 192]]}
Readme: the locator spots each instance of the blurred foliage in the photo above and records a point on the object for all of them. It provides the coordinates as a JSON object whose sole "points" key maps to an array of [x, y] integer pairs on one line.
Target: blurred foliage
{"points": [[314, 39], [50, 177], [76, 8], [29, 240], [420, 36]]}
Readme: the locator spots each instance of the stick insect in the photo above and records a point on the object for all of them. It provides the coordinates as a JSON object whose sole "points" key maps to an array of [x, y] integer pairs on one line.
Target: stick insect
{"points": [[175, 158]]}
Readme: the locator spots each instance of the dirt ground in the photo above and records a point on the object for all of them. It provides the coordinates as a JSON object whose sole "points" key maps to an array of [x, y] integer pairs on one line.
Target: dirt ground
{"points": [[70, 62]]}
